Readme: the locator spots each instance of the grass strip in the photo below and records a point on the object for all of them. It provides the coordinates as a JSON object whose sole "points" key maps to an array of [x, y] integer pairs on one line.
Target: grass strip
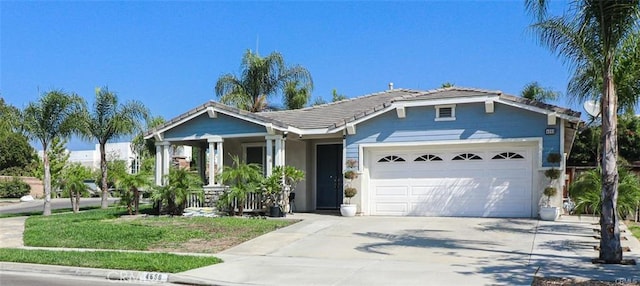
{"points": [[56, 211], [153, 262]]}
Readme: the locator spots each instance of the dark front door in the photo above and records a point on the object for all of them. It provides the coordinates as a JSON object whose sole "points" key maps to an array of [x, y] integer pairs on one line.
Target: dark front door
{"points": [[328, 176]]}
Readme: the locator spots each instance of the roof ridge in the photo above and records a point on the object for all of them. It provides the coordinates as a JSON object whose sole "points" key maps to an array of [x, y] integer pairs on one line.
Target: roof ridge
{"points": [[353, 98]]}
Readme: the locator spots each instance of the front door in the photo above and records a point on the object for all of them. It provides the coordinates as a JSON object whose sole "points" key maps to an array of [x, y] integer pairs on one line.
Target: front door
{"points": [[328, 176]]}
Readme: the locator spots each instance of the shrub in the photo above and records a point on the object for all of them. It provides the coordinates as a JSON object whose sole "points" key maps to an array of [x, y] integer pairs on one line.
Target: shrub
{"points": [[552, 174], [14, 188], [349, 193], [586, 192]]}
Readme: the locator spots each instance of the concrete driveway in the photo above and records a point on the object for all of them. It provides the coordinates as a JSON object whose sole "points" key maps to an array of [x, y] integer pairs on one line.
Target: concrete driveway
{"points": [[331, 250]]}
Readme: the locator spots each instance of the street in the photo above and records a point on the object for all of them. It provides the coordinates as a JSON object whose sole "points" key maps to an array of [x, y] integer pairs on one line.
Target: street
{"points": [[37, 205], [28, 279]]}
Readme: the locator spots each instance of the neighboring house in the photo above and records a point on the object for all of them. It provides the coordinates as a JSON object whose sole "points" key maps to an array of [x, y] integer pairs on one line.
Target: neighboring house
{"points": [[444, 152], [114, 151]]}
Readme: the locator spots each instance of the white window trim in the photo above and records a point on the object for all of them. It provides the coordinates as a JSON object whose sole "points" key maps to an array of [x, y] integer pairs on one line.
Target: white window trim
{"points": [[453, 112]]}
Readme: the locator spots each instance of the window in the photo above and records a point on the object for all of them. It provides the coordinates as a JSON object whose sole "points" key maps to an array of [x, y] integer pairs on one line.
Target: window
{"points": [[256, 154], [507, 156], [391, 158], [427, 157], [445, 113], [466, 157]]}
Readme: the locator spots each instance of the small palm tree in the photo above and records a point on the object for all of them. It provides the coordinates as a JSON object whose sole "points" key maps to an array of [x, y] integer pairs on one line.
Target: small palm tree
{"points": [[261, 78], [181, 184], [586, 192], [74, 176], [242, 179], [111, 120], [55, 115], [130, 184]]}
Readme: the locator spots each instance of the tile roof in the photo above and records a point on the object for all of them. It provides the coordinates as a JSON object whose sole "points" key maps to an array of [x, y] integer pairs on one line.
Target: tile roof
{"points": [[337, 114]]}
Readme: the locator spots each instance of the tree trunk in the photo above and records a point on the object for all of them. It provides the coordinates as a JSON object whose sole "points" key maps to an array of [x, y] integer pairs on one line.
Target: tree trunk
{"points": [[103, 181], [136, 199], [47, 182], [610, 248], [72, 198], [76, 202]]}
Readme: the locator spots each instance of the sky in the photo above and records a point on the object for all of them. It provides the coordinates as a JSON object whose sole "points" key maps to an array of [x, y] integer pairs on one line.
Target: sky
{"points": [[169, 54]]}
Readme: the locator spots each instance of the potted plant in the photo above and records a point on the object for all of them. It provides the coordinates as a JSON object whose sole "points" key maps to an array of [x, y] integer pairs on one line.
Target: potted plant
{"points": [[349, 209], [548, 212]]}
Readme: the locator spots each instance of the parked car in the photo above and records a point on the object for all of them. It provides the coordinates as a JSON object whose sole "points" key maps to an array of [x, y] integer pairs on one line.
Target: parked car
{"points": [[92, 188]]}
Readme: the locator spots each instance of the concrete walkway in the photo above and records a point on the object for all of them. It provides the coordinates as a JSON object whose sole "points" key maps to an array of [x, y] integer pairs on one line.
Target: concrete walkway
{"points": [[11, 231]]}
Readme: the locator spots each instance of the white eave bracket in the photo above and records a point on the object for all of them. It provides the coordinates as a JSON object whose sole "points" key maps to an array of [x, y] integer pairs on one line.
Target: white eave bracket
{"points": [[211, 112], [157, 136], [351, 129], [401, 112], [551, 118], [270, 129], [488, 106]]}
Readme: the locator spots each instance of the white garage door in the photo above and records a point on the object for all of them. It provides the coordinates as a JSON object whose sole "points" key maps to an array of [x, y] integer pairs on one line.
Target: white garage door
{"points": [[472, 181]]}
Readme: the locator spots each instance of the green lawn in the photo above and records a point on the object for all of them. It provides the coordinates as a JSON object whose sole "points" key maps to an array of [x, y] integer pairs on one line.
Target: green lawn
{"points": [[110, 229], [153, 262], [104, 229]]}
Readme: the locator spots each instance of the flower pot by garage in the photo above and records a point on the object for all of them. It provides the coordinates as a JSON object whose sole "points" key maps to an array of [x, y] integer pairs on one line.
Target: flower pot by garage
{"points": [[348, 210], [549, 213]]}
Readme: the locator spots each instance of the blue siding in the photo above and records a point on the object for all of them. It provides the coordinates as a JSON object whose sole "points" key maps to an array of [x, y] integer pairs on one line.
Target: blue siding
{"points": [[222, 125], [472, 122]]}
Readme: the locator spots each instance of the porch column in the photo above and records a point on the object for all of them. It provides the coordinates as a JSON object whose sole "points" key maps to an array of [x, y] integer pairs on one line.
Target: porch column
{"points": [[212, 163], [165, 161], [220, 159], [213, 143], [269, 155], [158, 170], [202, 154]]}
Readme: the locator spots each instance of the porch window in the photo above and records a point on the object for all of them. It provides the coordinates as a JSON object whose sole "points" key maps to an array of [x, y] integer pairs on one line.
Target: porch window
{"points": [[256, 154]]}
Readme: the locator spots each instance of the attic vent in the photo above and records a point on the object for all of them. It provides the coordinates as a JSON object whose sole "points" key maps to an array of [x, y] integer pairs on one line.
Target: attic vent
{"points": [[445, 113]]}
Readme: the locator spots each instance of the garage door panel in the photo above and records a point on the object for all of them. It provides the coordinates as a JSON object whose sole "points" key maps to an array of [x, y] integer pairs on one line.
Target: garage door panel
{"points": [[488, 187]]}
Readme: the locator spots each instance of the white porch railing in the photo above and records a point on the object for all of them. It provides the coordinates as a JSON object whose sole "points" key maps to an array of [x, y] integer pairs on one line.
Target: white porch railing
{"points": [[253, 202]]}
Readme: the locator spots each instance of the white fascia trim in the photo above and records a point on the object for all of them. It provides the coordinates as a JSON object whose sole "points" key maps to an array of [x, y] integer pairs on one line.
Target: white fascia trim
{"points": [[316, 131], [444, 101], [539, 110], [536, 140], [207, 136]]}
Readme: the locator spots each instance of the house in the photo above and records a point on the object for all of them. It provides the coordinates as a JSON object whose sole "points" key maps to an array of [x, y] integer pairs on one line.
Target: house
{"points": [[444, 152]]}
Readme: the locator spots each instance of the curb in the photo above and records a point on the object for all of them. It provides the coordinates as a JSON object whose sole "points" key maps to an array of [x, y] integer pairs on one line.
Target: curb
{"points": [[101, 273]]}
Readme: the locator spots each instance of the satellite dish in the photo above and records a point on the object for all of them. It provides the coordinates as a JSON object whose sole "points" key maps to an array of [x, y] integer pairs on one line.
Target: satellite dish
{"points": [[592, 107]]}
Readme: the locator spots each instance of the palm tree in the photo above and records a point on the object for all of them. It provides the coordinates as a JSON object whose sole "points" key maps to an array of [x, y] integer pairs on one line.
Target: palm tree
{"points": [[296, 96], [131, 185], [260, 79], [586, 192], [111, 120], [534, 91], [55, 115], [73, 183], [243, 179], [174, 195], [590, 35]]}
